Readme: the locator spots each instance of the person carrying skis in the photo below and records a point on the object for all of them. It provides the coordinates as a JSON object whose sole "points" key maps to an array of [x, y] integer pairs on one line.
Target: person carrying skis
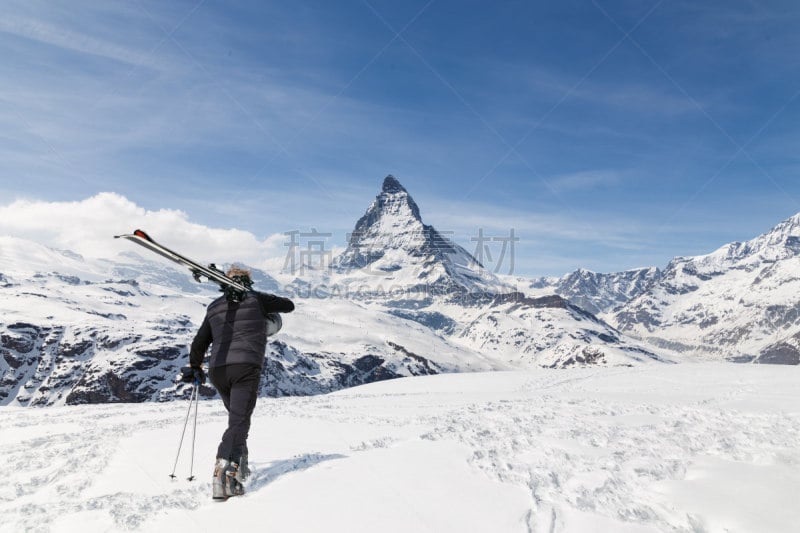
{"points": [[236, 326]]}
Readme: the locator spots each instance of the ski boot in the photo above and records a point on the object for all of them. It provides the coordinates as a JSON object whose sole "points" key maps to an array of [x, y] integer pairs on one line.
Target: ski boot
{"points": [[243, 471], [224, 485]]}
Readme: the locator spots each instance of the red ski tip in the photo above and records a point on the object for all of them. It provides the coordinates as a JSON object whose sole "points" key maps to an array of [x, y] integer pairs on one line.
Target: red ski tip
{"points": [[143, 235]]}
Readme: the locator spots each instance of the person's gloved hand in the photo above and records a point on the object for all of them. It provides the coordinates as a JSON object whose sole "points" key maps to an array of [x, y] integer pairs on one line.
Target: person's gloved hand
{"points": [[190, 374]]}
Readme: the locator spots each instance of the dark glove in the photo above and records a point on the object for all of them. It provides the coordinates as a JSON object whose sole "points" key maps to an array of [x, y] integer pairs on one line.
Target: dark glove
{"points": [[190, 374]]}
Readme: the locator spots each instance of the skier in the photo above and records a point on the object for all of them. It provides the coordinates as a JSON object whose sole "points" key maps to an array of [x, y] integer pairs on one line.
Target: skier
{"points": [[236, 326]]}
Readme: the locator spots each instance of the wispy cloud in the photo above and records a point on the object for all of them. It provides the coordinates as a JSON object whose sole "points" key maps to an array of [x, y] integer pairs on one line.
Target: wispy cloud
{"points": [[587, 180], [466, 218], [47, 26], [189, 106]]}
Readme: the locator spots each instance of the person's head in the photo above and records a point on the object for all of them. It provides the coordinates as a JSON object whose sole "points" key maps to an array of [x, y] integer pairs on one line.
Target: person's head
{"points": [[243, 274], [242, 277]]}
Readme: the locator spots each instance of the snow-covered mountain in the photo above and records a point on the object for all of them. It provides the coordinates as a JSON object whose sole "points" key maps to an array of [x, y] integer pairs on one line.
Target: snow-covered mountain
{"points": [[403, 266], [76, 330], [88, 331], [599, 293], [736, 303], [739, 302], [390, 246]]}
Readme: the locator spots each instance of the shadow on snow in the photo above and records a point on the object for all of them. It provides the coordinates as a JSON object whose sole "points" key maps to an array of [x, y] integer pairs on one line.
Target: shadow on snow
{"points": [[264, 476]]}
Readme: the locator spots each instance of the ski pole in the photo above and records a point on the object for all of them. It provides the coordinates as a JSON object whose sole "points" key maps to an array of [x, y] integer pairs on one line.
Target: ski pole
{"points": [[194, 429], [180, 444]]}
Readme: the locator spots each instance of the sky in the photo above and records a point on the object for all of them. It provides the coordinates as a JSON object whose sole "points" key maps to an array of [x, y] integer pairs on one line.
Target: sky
{"points": [[606, 135]]}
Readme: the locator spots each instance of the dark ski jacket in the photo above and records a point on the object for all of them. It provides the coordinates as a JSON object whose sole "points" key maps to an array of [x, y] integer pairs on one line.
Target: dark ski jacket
{"points": [[237, 331]]}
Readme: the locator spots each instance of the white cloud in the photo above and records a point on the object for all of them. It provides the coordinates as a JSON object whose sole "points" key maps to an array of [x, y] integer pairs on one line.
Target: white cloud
{"points": [[88, 227]]}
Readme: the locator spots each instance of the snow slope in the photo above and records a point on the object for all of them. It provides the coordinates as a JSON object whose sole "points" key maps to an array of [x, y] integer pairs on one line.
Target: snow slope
{"points": [[653, 448]]}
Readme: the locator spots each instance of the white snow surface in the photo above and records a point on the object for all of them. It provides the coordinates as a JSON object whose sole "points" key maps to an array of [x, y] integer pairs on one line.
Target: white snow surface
{"points": [[709, 447]]}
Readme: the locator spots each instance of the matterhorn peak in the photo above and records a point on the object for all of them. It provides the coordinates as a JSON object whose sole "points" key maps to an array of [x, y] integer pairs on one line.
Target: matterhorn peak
{"points": [[391, 242], [391, 185], [393, 213], [393, 200], [392, 222]]}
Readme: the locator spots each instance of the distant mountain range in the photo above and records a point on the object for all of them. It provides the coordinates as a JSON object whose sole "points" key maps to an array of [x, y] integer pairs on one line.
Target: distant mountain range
{"points": [[401, 300], [600, 293], [740, 302]]}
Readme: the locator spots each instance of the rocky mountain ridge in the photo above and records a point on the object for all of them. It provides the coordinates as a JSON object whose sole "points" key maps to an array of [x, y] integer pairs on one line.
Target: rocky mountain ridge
{"points": [[738, 302], [600, 293]]}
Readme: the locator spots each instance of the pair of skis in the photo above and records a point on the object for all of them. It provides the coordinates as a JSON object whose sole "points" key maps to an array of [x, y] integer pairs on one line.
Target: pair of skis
{"points": [[211, 272]]}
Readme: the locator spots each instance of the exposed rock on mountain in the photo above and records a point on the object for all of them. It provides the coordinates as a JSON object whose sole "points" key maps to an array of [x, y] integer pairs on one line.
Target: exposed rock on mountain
{"points": [[600, 293]]}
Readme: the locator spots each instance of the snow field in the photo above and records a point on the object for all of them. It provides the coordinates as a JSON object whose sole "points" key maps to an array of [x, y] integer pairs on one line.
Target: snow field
{"points": [[687, 448]]}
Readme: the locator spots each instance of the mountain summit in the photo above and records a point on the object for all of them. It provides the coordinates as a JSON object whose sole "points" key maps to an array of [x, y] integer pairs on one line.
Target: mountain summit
{"points": [[391, 222], [779, 243], [391, 185], [390, 243]]}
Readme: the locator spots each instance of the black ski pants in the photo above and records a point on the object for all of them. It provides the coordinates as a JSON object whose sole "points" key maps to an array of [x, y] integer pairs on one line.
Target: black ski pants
{"points": [[237, 384]]}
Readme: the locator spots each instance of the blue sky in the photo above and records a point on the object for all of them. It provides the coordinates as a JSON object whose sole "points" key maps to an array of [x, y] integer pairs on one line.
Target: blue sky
{"points": [[608, 134]]}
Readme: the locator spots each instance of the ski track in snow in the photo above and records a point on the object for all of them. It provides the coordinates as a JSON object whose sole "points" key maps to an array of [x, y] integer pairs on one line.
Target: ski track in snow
{"points": [[587, 446], [597, 460]]}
